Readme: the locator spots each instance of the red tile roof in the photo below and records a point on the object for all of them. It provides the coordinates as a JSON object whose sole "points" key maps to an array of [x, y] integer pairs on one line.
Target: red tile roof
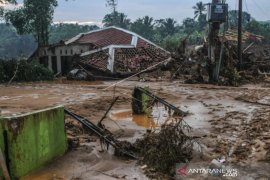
{"points": [[106, 37], [110, 36], [127, 59], [98, 60]]}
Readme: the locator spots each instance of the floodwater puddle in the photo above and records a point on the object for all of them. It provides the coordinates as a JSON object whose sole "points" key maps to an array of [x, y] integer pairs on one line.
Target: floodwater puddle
{"points": [[157, 117]]}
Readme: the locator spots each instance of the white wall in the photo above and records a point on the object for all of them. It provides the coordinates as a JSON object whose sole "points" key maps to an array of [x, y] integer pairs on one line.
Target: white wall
{"points": [[60, 51]]}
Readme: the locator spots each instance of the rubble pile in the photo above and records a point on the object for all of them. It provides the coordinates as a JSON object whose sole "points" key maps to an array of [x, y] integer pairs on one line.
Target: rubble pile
{"points": [[77, 134], [197, 68], [138, 59], [163, 149]]}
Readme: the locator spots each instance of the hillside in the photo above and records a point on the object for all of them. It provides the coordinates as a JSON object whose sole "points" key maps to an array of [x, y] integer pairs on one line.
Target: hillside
{"points": [[13, 45]]}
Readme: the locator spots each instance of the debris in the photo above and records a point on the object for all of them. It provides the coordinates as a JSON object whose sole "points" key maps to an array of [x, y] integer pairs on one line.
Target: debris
{"points": [[140, 103], [104, 134], [197, 68], [232, 35], [215, 164], [79, 74], [163, 149], [15, 73], [105, 115], [144, 166]]}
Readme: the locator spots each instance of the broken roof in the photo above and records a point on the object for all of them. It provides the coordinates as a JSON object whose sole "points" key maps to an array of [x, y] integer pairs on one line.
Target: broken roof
{"points": [[111, 36], [118, 50]]}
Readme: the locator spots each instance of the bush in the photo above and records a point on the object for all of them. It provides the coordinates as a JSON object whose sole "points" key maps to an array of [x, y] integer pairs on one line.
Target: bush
{"points": [[26, 71]]}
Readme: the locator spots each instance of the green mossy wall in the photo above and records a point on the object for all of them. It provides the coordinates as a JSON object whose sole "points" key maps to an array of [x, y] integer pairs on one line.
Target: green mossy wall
{"points": [[35, 139]]}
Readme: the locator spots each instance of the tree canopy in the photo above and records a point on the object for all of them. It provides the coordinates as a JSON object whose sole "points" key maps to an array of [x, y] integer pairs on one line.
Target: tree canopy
{"points": [[199, 9], [116, 19], [34, 17]]}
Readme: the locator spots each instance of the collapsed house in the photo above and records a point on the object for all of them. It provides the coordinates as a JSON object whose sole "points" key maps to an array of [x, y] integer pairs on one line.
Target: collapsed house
{"points": [[195, 66], [111, 50]]}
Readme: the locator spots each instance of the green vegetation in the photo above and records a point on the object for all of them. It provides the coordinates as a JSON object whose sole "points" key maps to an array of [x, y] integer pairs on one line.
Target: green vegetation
{"points": [[34, 17], [60, 32], [26, 72], [36, 29], [168, 33], [16, 46], [13, 45]]}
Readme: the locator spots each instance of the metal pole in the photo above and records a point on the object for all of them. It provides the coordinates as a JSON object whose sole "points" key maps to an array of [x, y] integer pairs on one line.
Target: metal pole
{"points": [[240, 33]]}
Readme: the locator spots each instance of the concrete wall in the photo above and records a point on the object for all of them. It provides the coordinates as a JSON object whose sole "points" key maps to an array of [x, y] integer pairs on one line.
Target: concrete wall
{"points": [[34, 139]]}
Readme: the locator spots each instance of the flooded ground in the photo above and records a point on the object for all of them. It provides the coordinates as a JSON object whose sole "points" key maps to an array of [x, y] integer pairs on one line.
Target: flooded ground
{"points": [[229, 122]]}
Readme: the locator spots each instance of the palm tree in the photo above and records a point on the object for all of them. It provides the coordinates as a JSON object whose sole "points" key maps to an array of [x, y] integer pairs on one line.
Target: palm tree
{"points": [[108, 20], [148, 21], [199, 9], [116, 19], [144, 27], [166, 27], [169, 25], [123, 21]]}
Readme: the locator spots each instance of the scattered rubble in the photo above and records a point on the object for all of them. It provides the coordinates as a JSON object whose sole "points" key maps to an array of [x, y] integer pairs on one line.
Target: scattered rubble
{"points": [[238, 130], [162, 149], [79, 74], [196, 67]]}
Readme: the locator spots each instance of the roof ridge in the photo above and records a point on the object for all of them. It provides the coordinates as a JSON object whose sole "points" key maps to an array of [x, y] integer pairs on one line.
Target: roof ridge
{"points": [[139, 36], [75, 38], [113, 27]]}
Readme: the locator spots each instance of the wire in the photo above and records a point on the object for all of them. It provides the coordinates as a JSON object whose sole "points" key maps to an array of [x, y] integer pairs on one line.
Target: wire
{"points": [[246, 6]]}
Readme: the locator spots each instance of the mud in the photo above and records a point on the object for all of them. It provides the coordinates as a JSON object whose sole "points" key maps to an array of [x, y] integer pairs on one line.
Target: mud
{"points": [[230, 122]]}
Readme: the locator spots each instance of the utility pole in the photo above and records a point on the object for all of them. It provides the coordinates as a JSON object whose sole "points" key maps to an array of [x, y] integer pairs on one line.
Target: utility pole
{"points": [[213, 36], [240, 12], [217, 14]]}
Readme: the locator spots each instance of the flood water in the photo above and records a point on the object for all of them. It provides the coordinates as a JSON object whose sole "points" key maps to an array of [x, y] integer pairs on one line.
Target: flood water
{"points": [[157, 117]]}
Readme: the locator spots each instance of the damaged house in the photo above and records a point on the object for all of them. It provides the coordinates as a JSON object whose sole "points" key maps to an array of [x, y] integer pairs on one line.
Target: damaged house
{"points": [[109, 51]]}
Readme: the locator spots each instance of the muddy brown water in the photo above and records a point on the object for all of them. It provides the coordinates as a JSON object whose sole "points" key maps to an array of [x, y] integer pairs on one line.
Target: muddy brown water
{"points": [[207, 106], [157, 117]]}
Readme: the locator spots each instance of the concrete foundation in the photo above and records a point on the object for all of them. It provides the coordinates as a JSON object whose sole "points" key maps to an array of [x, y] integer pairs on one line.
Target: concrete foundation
{"points": [[31, 140]]}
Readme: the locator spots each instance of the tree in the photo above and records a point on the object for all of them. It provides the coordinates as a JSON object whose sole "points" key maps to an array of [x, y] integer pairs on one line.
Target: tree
{"points": [[259, 28], [168, 26], [199, 9], [116, 19], [60, 32], [202, 22], [144, 27], [200, 16], [112, 4], [113, 17], [14, 46], [233, 18], [190, 25], [34, 18], [5, 2]]}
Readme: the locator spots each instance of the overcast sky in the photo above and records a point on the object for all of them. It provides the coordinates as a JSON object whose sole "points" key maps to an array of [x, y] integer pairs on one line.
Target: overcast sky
{"points": [[94, 10]]}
